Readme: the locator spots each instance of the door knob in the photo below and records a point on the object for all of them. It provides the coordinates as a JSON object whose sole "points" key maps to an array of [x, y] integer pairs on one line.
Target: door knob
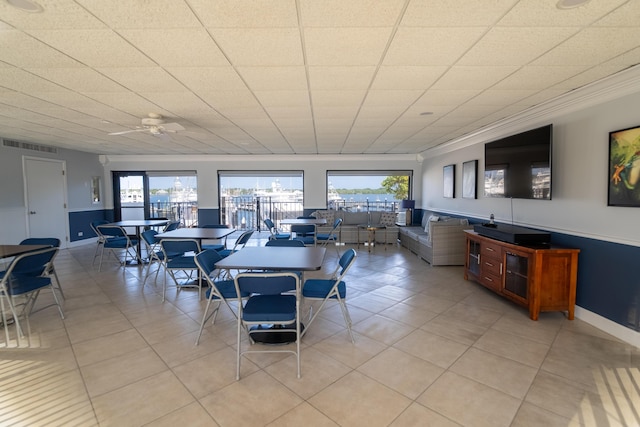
{"points": [[32, 212]]}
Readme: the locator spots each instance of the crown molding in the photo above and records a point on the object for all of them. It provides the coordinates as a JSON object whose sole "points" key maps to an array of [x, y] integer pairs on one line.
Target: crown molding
{"points": [[623, 83], [333, 158]]}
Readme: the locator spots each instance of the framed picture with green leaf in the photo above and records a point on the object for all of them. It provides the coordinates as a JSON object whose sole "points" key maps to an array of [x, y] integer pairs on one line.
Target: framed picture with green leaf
{"points": [[624, 167]]}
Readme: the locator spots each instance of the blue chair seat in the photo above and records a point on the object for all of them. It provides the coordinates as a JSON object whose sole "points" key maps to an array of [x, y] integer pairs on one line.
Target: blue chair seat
{"points": [[218, 247], [306, 240], [182, 262], [21, 284], [320, 288], [119, 242], [227, 289], [270, 308]]}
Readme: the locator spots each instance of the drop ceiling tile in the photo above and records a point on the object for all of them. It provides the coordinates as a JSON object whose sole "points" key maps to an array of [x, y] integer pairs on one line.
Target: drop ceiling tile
{"points": [[338, 78], [260, 46], [352, 13], [537, 77], [472, 78], [283, 98], [492, 97], [143, 14], [401, 98], [345, 112], [144, 79], [590, 46], [628, 58], [208, 79], [58, 14], [514, 46], [22, 50], [544, 13], [407, 77], [167, 46], [328, 98], [540, 97], [589, 76], [79, 79], [177, 104], [431, 46], [345, 46], [444, 97], [274, 78], [437, 13], [627, 15], [95, 48], [222, 99], [246, 13], [23, 81], [129, 102], [278, 113]]}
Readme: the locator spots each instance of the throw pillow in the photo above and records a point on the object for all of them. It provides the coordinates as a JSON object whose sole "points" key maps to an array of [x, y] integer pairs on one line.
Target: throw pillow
{"points": [[329, 215], [388, 218], [432, 218]]}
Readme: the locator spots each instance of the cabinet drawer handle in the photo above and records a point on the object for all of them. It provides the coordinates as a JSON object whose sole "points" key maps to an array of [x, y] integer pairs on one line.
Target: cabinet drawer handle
{"points": [[488, 279], [490, 249], [500, 268], [488, 263]]}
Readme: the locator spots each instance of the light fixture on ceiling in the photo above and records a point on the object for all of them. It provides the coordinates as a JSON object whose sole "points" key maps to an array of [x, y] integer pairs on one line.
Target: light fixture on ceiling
{"points": [[570, 4], [25, 5]]}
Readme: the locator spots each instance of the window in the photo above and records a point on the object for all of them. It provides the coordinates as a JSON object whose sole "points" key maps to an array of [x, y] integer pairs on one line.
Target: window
{"points": [[368, 190], [247, 198]]}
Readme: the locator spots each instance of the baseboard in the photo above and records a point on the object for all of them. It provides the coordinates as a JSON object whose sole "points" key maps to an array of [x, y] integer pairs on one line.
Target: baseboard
{"points": [[612, 328]]}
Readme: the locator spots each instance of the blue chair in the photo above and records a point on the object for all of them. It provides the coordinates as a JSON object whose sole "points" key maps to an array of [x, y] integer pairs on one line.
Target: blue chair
{"points": [[271, 302], [22, 290], [117, 240], [305, 233], [219, 290], [154, 253], [325, 238], [287, 243], [275, 233], [179, 257], [330, 289], [241, 242], [50, 268], [94, 226], [216, 246]]}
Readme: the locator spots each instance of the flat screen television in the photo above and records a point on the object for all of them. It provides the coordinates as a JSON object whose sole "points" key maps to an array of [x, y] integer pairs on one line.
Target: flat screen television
{"points": [[519, 166]]}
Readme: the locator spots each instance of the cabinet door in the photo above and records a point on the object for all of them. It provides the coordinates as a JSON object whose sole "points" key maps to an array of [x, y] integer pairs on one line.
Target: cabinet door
{"points": [[516, 281], [473, 260]]}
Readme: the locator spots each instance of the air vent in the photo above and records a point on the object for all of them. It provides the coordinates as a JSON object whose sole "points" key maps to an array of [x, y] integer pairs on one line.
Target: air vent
{"points": [[29, 146]]}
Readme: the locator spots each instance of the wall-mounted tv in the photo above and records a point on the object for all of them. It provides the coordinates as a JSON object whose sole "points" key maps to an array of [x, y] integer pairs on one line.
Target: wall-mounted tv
{"points": [[519, 166]]}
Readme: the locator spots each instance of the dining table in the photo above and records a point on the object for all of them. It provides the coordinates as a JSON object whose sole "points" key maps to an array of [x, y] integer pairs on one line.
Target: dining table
{"points": [[138, 224], [274, 258], [197, 233], [7, 251]]}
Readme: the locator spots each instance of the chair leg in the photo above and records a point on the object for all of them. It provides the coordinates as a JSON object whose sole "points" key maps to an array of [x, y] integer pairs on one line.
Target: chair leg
{"points": [[59, 286], [205, 318]]}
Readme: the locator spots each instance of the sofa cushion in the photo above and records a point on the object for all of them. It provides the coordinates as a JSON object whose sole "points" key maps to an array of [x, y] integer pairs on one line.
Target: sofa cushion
{"points": [[355, 218], [388, 218], [446, 223]]}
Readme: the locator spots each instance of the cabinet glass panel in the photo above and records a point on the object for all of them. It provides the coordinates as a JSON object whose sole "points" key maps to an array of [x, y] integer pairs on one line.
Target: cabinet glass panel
{"points": [[516, 275], [474, 257]]}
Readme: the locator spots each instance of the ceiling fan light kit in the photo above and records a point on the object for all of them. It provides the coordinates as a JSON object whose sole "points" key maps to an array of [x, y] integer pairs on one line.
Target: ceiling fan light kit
{"points": [[154, 125]]}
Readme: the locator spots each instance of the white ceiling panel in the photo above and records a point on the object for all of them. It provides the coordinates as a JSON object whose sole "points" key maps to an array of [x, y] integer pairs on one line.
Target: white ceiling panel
{"points": [[166, 46], [296, 76]]}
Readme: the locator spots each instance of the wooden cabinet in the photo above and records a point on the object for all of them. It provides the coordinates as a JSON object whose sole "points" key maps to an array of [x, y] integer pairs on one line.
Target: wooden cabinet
{"points": [[541, 279]]}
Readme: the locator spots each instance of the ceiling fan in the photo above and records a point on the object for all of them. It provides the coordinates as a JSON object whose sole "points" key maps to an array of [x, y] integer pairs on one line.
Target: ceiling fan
{"points": [[154, 125]]}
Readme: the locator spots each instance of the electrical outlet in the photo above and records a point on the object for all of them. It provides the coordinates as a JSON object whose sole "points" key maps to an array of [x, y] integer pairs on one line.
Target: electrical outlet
{"points": [[80, 234]]}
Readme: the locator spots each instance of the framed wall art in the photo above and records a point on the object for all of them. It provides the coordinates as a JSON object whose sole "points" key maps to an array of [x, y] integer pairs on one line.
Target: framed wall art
{"points": [[624, 167], [470, 179], [449, 181]]}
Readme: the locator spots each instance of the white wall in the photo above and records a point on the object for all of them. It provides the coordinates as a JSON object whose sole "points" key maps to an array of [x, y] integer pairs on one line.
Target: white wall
{"points": [[581, 125], [314, 167]]}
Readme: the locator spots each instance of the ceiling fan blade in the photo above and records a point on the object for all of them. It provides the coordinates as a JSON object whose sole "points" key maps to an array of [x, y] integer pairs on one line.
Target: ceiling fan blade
{"points": [[171, 127], [127, 131]]}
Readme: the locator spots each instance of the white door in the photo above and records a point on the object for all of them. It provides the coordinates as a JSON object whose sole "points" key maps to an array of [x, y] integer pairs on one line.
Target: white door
{"points": [[46, 199]]}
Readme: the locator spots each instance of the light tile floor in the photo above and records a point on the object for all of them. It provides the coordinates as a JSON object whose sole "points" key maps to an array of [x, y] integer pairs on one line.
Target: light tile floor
{"points": [[431, 350]]}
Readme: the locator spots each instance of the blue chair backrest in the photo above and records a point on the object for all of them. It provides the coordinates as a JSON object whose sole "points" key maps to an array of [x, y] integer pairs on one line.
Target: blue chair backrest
{"points": [[177, 246], [303, 229], [288, 243], [32, 263], [337, 223], [244, 238], [347, 259], [214, 226], [266, 283], [172, 226], [112, 231], [95, 224], [50, 241], [207, 259], [269, 224], [149, 236]]}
